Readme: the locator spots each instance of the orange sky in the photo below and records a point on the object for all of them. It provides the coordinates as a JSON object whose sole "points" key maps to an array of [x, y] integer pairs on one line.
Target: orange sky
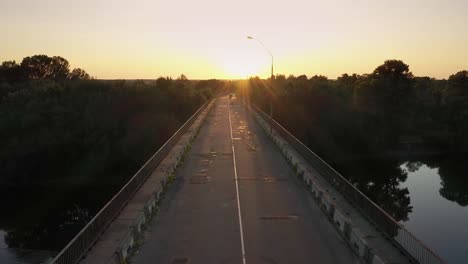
{"points": [[207, 38]]}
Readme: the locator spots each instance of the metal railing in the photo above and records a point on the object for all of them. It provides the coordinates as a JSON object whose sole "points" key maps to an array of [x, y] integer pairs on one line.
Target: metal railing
{"points": [[399, 234], [83, 241]]}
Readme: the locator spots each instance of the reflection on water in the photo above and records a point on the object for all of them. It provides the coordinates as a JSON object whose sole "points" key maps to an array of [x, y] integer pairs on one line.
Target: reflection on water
{"points": [[381, 181], [439, 190], [429, 196], [454, 177]]}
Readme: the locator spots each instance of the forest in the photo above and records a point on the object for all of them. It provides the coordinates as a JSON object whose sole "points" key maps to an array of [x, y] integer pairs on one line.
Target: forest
{"points": [[69, 141], [59, 128], [370, 114], [366, 125]]}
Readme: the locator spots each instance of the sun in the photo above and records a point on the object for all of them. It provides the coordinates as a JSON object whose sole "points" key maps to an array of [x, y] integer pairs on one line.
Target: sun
{"points": [[241, 69], [243, 63]]}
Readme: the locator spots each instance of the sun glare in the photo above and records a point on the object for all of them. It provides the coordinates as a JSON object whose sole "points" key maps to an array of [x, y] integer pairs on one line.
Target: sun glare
{"points": [[237, 69], [245, 61]]}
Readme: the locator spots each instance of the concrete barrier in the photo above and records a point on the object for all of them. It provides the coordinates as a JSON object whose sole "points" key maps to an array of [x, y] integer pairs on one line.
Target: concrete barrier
{"points": [[340, 220], [328, 205], [351, 234], [127, 244], [150, 206], [301, 170], [358, 244]]}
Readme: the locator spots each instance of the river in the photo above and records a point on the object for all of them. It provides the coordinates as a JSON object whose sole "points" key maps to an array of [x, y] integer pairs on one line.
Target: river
{"points": [[429, 196]]}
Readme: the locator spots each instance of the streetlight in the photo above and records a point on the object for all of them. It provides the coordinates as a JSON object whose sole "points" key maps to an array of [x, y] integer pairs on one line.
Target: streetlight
{"points": [[271, 79], [261, 43]]}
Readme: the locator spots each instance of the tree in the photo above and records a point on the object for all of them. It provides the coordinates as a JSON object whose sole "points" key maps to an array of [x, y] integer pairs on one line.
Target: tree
{"points": [[302, 77], [456, 105], [347, 79], [319, 78], [182, 77], [78, 74], [280, 77], [393, 69], [392, 83], [163, 83], [460, 81], [42, 67], [10, 71]]}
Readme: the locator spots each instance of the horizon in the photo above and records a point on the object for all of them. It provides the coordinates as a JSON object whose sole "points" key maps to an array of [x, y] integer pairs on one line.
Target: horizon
{"points": [[247, 131], [208, 39]]}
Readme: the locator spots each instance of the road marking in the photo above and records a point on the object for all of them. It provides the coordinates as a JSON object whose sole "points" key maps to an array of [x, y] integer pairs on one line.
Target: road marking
{"points": [[264, 179], [279, 217], [244, 261]]}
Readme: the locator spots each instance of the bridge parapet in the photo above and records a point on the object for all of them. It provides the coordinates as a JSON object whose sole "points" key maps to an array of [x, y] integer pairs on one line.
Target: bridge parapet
{"points": [[326, 185], [128, 223]]}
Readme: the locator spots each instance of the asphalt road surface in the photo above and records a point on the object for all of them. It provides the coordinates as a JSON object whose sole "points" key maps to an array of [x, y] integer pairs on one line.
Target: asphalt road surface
{"points": [[236, 200]]}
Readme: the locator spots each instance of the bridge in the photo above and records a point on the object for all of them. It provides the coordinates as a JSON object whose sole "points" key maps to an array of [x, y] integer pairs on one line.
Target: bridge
{"points": [[233, 186]]}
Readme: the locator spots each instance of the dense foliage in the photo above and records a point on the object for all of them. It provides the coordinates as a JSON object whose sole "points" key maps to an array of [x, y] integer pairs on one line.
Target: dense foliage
{"points": [[364, 124], [358, 115], [40, 67], [69, 143], [82, 131]]}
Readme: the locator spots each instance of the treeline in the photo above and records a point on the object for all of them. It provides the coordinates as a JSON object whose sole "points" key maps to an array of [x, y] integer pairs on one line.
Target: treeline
{"points": [[68, 142], [83, 131], [370, 114], [364, 125], [40, 67]]}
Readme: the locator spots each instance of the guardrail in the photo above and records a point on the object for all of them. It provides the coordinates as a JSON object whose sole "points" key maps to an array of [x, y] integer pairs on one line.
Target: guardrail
{"points": [[83, 241], [408, 242]]}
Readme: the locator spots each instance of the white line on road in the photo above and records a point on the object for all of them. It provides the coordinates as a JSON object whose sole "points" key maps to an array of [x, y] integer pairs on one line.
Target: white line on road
{"points": [[237, 187]]}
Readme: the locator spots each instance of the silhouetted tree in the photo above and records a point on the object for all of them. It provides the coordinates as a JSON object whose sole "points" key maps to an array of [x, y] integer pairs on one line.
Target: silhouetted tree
{"points": [[454, 181], [302, 77], [42, 67], [10, 71], [182, 77], [393, 69], [456, 105], [78, 73]]}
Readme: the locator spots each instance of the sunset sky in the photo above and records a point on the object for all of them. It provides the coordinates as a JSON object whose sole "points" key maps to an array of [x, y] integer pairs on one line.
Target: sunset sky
{"points": [[207, 38]]}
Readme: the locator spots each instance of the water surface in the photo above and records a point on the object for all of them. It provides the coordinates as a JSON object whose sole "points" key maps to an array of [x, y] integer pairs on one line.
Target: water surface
{"points": [[439, 197], [429, 196]]}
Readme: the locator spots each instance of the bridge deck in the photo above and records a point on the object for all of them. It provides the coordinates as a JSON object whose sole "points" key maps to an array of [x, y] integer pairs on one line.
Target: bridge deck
{"points": [[199, 217]]}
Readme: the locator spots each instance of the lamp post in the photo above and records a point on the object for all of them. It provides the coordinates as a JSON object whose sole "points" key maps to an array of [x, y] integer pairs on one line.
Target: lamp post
{"points": [[261, 43], [271, 78]]}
